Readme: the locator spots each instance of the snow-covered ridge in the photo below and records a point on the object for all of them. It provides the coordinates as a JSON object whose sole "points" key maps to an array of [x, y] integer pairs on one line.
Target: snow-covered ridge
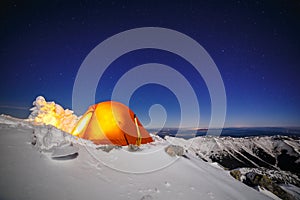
{"points": [[28, 173], [273, 160], [273, 152]]}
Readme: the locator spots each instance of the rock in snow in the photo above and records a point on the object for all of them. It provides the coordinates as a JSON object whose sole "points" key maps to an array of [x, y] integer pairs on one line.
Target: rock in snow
{"points": [[174, 150], [29, 172]]}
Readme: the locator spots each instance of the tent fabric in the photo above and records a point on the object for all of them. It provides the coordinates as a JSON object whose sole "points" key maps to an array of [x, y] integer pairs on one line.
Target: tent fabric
{"points": [[111, 122]]}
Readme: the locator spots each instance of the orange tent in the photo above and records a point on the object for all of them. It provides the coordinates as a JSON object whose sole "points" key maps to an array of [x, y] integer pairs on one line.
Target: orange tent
{"points": [[111, 122]]}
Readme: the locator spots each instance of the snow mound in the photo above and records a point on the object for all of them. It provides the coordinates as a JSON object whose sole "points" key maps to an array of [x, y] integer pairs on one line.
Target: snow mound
{"points": [[53, 141], [46, 138], [50, 113]]}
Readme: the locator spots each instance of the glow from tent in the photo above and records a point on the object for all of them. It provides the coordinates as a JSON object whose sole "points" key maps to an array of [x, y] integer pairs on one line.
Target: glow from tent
{"points": [[109, 122], [49, 113], [83, 122], [101, 124]]}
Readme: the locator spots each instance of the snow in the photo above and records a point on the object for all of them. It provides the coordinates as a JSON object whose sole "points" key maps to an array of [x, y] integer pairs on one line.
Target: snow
{"points": [[268, 193], [29, 172], [291, 189]]}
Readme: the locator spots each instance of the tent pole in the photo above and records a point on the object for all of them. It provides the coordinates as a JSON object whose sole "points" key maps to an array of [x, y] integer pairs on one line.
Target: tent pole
{"points": [[139, 139]]}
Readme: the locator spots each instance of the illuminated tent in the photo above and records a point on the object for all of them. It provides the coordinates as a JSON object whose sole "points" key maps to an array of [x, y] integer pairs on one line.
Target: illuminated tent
{"points": [[111, 123]]}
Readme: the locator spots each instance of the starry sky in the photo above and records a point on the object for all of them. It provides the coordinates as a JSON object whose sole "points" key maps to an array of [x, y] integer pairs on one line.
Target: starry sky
{"points": [[255, 45]]}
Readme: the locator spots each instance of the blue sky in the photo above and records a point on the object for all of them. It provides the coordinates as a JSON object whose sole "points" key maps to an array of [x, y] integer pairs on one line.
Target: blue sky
{"points": [[255, 45]]}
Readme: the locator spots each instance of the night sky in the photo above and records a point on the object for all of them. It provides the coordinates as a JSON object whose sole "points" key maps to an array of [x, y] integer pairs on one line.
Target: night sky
{"points": [[255, 45]]}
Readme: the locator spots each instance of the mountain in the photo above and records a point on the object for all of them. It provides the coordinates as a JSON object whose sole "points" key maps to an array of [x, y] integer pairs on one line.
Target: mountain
{"points": [[272, 152], [270, 162], [43, 162]]}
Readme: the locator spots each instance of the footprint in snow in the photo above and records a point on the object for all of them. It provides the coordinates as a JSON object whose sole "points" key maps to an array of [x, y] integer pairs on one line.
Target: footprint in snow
{"points": [[147, 197], [98, 166], [167, 184], [211, 195]]}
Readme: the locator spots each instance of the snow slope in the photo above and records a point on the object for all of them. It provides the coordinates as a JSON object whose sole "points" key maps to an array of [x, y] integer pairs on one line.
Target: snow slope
{"points": [[29, 171]]}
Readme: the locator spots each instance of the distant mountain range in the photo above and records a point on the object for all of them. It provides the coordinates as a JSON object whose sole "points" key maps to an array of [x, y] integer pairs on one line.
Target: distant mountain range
{"points": [[233, 132]]}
